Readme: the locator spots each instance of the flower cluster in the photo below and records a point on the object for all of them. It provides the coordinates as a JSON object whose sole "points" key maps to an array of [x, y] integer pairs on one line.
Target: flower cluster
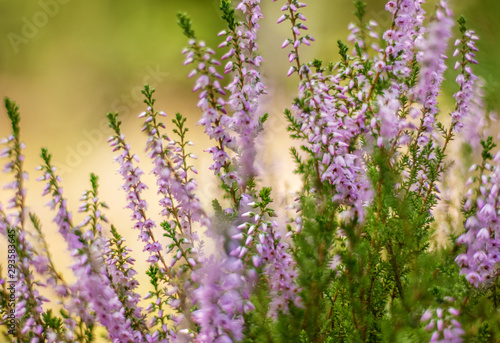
{"points": [[482, 225], [432, 70], [330, 117], [444, 323], [466, 48]]}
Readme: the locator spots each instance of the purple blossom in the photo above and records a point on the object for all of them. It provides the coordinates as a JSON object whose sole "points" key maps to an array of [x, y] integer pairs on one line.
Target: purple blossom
{"points": [[466, 79], [359, 35], [246, 88], [223, 298], [214, 118], [138, 206], [329, 128], [407, 29], [95, 288], [92, 293], [476, 124], [446, 328], [120, 272], [434, 44], [134, 187], [482, 236], [279, 267], [179, 200]]}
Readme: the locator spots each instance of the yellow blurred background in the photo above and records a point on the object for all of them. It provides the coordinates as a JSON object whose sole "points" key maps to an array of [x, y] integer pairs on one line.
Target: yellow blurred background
{"points": [[68, 62]]}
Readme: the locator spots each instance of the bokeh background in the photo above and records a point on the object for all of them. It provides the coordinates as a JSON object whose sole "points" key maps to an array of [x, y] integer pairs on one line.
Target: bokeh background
{"points": [[69, 62]]}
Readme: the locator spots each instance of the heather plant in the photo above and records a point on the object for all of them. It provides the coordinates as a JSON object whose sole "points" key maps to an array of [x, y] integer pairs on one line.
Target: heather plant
{"points": [[354, 259]]}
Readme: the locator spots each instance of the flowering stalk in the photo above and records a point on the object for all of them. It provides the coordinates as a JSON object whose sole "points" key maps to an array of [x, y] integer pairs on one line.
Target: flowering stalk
{"points": [[444, 323], [121, 273], [246, 87], [432, 69], [481, 238], [466, 79], [28, 312], [278, 266], [94, 298], [324, 120], [463, 97], [171, 169], [134, 188], [214, 118], [362, 31]]}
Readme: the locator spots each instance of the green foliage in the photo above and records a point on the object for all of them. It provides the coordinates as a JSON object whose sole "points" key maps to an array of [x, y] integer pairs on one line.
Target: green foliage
{"points": [[462, 24], [228, 14], [185, 24], [360, 9], [260, 328], [114, 123], [343, 49], [148, 94], [152, 272], [14, 116], [317, 64], [488, 146], [53, 322]]}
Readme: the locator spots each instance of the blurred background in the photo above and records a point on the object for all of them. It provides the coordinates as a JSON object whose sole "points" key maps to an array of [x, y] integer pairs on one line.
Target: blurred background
{"points": [[69, 62]]}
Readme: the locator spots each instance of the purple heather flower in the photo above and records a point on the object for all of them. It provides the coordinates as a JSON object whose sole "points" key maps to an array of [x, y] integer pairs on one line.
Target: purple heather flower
{"points": [[332, 119], [134, 187], [138, 206], [431, 71], [214, 118], [466, 79], [94, 289], [476, 123], [279, 267], [357, 38], [482, 236], [121, 277], [223, 298], [292, 7], [329, 128], [446, 327], [179, 200], [246, 87], [408, 17]]}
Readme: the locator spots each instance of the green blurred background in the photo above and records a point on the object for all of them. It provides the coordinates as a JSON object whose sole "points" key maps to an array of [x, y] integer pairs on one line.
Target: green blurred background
{"points": [[67, 63]]}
